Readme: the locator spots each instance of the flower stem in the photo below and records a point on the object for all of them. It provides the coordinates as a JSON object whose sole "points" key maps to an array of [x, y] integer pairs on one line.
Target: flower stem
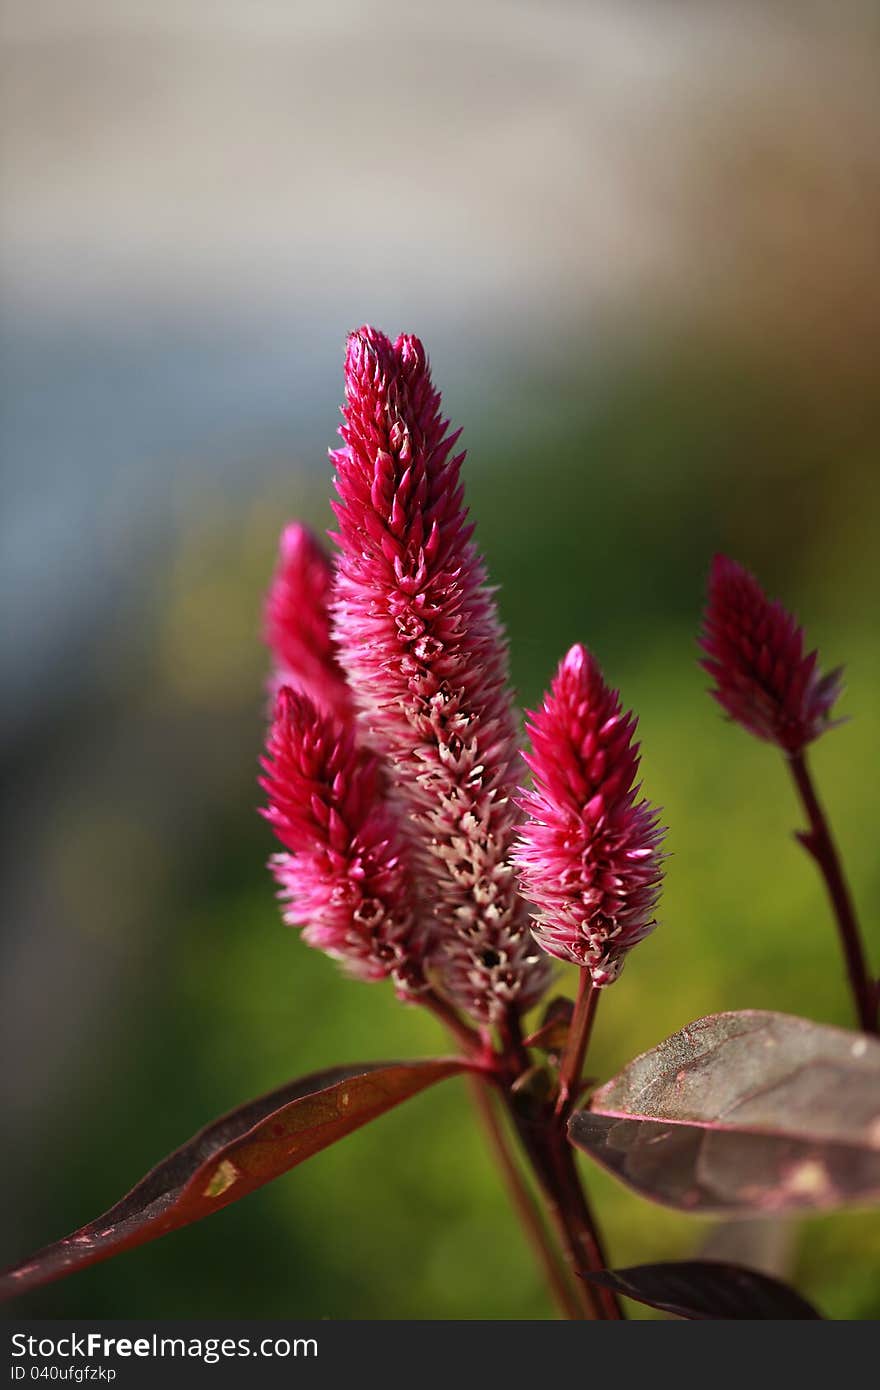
{"points": [[572, 1062], [543, 1133], [818, 842], [468, 1038], [584, 1227], [530, 1217], [543, 1156]]}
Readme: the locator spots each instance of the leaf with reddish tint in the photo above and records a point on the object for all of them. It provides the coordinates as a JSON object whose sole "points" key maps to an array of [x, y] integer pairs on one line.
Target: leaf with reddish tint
{"points": [[707, 1289], [231, 1157], [744, 1114]]}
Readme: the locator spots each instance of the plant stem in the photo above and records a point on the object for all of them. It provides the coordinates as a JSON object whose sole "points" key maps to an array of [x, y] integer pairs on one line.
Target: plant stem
{"points": [[467, 1037], [544, 1158], [584, 1227], [818, 841], [523, 1202], [572, 1062], [545, 1139], [542, 1132]]}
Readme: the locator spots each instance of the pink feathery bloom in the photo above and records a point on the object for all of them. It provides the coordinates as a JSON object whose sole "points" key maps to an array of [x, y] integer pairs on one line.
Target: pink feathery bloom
{"points": [[589, 850], [296, 624], [343, 877], [422, 646], [755, 654]]}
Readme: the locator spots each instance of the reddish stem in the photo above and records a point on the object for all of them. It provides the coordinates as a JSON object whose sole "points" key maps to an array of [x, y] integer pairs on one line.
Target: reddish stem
{"points": [[585, 1229], [523, 1202], [545, 1140], [512, 1061], [818, 841], [542, 1153], [467, 1037], [571, 1065]]}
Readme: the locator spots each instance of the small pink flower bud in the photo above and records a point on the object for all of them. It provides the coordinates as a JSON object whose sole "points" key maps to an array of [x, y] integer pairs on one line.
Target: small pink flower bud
{"points": [[755, 654], [296, 623], [589, 851], [422, 646], [344, 876]]}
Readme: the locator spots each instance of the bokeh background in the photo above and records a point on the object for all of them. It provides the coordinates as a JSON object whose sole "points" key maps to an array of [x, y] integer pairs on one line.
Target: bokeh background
{"points": [[641, 243]]}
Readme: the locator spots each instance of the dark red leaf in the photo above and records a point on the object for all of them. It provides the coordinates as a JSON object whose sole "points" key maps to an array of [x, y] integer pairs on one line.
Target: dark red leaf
{"points": [[231, 1157], [707, 1289], [744, 1114]]}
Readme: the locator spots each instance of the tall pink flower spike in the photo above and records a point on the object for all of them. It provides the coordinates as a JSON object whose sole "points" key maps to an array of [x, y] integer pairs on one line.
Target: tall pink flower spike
{"points": [[422, 646], [296, 623], [589, 851], [344, 877], [755, 654]]}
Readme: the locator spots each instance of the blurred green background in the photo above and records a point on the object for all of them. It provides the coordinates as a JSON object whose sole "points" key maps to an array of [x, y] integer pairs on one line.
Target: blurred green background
{"points": [[614, 446]]}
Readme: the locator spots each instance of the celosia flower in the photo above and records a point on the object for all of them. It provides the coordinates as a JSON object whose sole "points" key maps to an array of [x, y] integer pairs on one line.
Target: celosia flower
{"points": [[589, 851], [424, 652], [296, 623], [344, 878], [755, 654]]}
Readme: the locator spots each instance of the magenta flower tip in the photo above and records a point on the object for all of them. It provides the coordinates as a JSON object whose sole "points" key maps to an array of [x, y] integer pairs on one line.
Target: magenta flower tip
{"points": [[425, 655], [588, 853], [343, 876], [755, 655], [296, 622]]}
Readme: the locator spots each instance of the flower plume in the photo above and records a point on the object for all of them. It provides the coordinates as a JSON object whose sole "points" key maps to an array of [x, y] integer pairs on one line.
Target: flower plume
{"points": [[343, 876], [296, 623], [589, 850], [423, 649], [755, 654]]}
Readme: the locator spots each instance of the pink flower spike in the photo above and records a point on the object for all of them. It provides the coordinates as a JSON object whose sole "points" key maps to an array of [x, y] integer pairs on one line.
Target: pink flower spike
{"points": [[296, 623], [589, 852], [755, 654], [344, 877], [422, 646]]}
